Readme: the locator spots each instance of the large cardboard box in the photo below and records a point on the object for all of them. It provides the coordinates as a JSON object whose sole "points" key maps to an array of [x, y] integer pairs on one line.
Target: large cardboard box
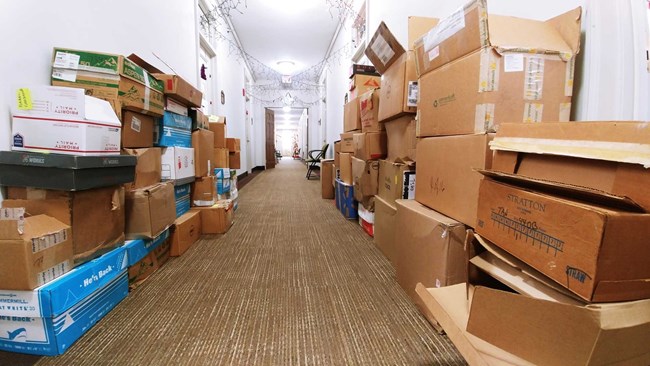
{"points": [[150, 210], [351, 116], [234, 160], [35, 250], [173, 106], [148, 169], [64, 121], [431, 248], [183, 197], [472, 27], [370, 145], [219, 130], [199, 120], [465, 97], [448, 182], [369, 110], [597, 252], [96, 216], [138, 249], [203, 144], [233, 145], [166, 136], [346, 168], [177, 163], [204, 192], [221, 158], [385, 228], [365, 178], [152, 262], [383, 49], [137, 130], [396, 181], [360, 84], [399, 90], [185, 232], [347, 142], [402, 141], [216, 219], [180, 89], [327, 189], [345, 201], [418, 27], [49, 319], [175, 120], [592, 155]]}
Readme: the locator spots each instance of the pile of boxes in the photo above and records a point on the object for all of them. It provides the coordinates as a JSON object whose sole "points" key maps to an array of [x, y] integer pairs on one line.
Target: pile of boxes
{"points": [[105, 167]]}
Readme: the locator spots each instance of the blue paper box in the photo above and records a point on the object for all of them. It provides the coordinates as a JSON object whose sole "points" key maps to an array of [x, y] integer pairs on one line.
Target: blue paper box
{"points": [[222, 180], [139, 248], [345, 200], [47, 320], [176, 121], [182, 195]]}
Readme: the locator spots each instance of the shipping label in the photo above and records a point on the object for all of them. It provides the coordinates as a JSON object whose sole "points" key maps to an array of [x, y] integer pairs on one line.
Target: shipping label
{"points": [[382, 49]]}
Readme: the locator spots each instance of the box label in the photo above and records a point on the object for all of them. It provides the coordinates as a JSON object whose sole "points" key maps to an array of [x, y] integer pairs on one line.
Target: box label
{"points": [[24, 99], [14, 214], [434, 53], [513, 62], [66, 60], [413, 92], [136, 124], [382, 49], [65, 74], [408, 187], [54, 272], [49, 240], [534, 78], [445, 29]]}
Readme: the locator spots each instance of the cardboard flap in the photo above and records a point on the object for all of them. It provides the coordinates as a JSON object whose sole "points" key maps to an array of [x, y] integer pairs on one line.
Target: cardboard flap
{"points": [[525, 35], [12, 223], [574, 193], [365, 102], [607, 291], [144, 64], [99, 110], [568, 25], [383, 49]]}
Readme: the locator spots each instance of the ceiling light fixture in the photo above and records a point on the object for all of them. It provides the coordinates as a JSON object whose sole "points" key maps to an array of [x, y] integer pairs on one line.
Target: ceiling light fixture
{"points": [[286, 67], [286, 109]]}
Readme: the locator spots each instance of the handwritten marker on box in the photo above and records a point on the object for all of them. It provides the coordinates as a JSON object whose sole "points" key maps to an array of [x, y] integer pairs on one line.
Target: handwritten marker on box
{"points": [[24, 96]]}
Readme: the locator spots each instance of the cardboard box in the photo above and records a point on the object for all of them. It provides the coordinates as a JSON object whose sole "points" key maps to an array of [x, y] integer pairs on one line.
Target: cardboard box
{"points": [[360, 84], [204, 192], [175, 120], [35, 250], [78, 299], [219, 129], [185, 232], [367, 219], [385, 228], [199, 120], [368, 110], [221, 158], [464, 97], [448, 183], [363, 70], [472, 27], [548, 151], [203, 144], [365, 178], [150, 210], [138, 249], [152, 262], [182, 195], [402, 141], [96, 216], [596, 252], [383, 49], [174, 106], [431, 248], [233, 145], [396, 181], [137, 130], [370, 145], [346, 168], [177, 163], [180, 89], [76, 124], [418, 27], [170, 137], [345, 202], [327, 189], [351, 116], [148, 169], [347, 142], [223, 180], [399, 91], [216, 219], [234, 160], [337, 160]]}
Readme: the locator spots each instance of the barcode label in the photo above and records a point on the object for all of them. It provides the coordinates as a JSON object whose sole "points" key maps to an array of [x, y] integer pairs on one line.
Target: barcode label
{"points": [[51, 273], [49, 240]]}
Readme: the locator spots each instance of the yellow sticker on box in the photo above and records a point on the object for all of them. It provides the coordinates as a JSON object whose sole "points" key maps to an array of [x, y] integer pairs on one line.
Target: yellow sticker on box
{"points": [[24, 97]]}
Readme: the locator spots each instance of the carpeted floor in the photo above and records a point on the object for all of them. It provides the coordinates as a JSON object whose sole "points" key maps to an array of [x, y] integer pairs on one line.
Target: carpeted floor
{"points": [[292, 283]]}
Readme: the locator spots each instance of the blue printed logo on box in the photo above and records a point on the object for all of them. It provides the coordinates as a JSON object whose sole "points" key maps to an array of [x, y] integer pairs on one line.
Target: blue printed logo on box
{"points": [[19, 140]]}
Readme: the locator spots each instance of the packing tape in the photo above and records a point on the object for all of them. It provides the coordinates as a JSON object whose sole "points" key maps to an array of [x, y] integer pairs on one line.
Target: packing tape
{"points": [[484, 118], [534, 78], [570, 73], [533, 112], [490, 70], [445, 29], [483, 23], [565, 112], [147, 100]]}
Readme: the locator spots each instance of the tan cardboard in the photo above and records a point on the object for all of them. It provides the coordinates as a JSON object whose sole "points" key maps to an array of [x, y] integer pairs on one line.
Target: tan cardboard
{"points": [[473, 27], [337, 160], [220, 158], [148, 168], [234, 160], [365, 179], [351, 116], [96, 216], [360, 84], [233, 145], [347, 141], [185, 232], [447, 182], [370, 145], [431, 248], [385, 228], [148, 265], [204, 192], [368, 110], [180, 89], [150, 210], [402, 141], [596, 252], [396, 181], [35, 250], [137, 130], [383, 49], [399, 89], [546, 151], [418, 27], [216, 219], [203, 144], [327, 189], [219, 130], [346, 168]]}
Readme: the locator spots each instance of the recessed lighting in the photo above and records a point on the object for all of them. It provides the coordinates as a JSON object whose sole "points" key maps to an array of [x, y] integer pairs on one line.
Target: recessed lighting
{"points": [[286, 67], [286, 108]]}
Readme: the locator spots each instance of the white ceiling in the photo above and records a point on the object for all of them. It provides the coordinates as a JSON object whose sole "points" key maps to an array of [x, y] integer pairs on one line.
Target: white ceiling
{"points": [[295, 30]]}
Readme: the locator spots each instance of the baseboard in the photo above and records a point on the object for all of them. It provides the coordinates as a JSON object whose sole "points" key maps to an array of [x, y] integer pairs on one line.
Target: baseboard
{"points": [[259, 167], [242, 175]]}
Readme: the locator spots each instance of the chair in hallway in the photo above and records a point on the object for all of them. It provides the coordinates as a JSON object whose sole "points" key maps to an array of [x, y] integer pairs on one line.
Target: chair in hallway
{"points": [[313, 161]]}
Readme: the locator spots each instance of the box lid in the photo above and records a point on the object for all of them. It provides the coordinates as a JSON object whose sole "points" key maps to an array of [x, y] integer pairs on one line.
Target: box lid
{"points": [[59, 295], [383, 49], [65, 161]]}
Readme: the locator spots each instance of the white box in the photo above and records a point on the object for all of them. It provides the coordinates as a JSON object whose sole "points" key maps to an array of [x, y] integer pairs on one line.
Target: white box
{"points": [[65, 121], [177, 163]]}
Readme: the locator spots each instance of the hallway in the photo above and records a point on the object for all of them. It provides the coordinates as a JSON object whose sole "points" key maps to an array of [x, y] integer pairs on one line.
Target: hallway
{"points": [[292, 283]]}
